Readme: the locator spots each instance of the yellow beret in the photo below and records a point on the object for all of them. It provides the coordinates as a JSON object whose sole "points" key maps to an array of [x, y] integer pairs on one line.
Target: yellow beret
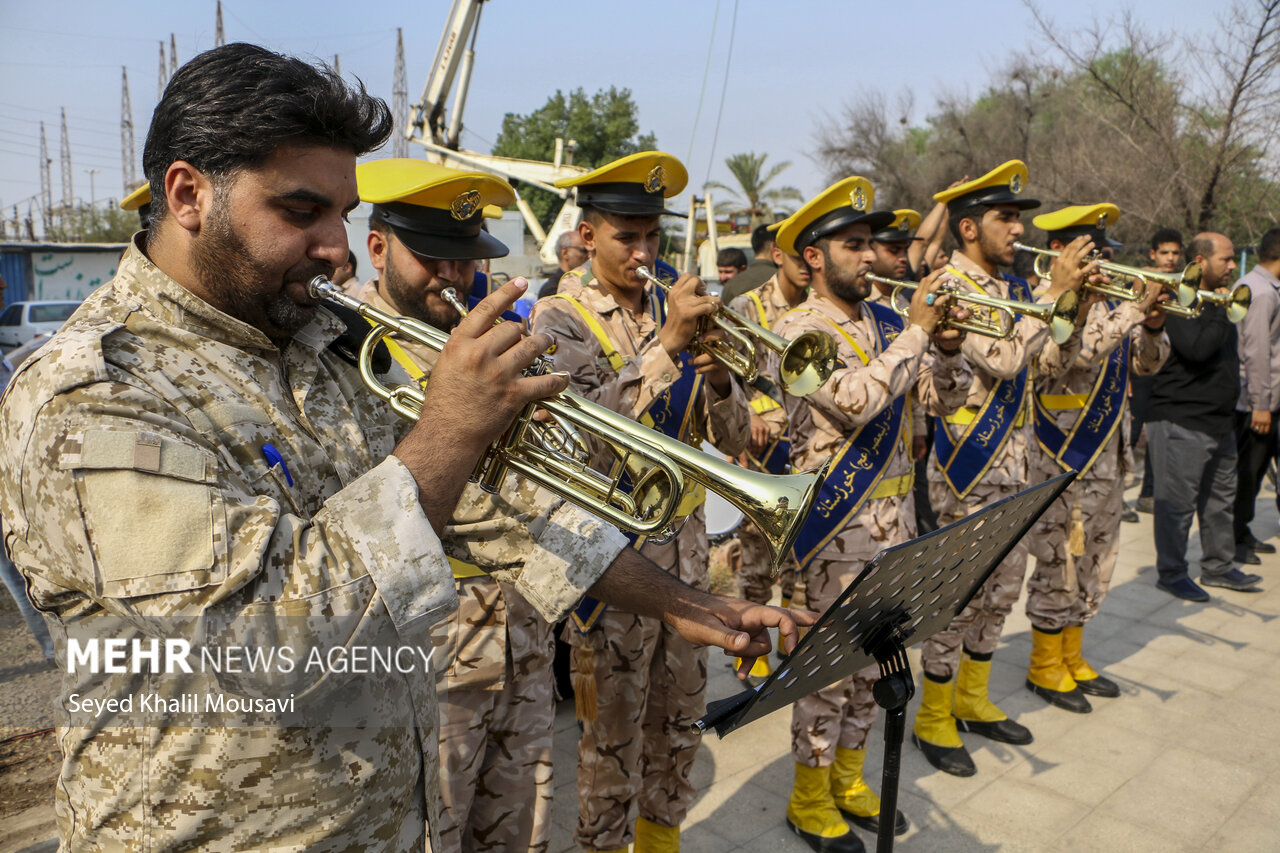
{"points": [[137, 198], [1078, 216], [436, 211], [1002, 185], [846, 202], [636, 185]]}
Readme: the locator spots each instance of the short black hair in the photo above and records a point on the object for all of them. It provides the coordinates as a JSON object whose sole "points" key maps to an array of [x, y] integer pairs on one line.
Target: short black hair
{"points": [[1269, 246], [1024, 264], [731, 258], [351, 260], [1166, 235], [232, 107], [760, 238], [955, 217]]}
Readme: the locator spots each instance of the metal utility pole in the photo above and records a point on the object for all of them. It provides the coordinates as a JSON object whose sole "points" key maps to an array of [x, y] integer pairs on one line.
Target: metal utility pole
{"points": [[46, 182], [173, 55], [400, 101], [219, 35], [93, 187], [337, 66], [128, 168], [68, 192], [162, 79]]}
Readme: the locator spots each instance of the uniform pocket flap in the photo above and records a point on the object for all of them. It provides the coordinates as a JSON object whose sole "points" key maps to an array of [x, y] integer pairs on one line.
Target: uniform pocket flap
{"points": [[142, 451]]}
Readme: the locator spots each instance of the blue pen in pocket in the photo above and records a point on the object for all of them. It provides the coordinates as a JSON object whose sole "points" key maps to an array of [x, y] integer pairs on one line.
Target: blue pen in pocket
{"points": [[274, 458]]}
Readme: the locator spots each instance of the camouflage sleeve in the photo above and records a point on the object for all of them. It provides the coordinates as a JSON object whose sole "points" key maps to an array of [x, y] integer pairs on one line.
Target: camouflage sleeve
{"points": [[1104, 331], [727, 419], [943, 384], [1148, 350], [115, 496], [552, 551], [629, 390], [857, 393]]}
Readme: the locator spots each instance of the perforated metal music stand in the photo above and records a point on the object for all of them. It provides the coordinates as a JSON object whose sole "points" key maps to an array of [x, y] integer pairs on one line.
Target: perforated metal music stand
{"points": [[903, 596]]}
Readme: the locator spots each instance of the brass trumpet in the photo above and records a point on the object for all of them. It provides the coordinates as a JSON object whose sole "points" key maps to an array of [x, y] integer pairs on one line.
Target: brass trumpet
{"points": [[804, 363], [1236, 302], [657, 466], [1182, 285], [997, 320]]}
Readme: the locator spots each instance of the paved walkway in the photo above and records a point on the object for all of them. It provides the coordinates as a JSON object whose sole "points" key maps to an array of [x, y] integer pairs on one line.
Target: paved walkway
{"points": [[1187, 759]]}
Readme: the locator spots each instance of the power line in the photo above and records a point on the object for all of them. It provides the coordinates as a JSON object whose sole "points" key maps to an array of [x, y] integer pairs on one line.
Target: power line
{"points": [[733, 27], [706, 71]]}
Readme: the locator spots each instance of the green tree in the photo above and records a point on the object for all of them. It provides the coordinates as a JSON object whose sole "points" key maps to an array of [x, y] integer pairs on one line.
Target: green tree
{"points": [[94, 224], [753, 186], [605, 126]]}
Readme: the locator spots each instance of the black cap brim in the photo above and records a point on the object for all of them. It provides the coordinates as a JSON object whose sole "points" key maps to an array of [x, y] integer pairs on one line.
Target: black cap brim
{"points": [[1099, 238], [840, 218], [436, 235], [624, 198], [992, 197], [478, 248]]}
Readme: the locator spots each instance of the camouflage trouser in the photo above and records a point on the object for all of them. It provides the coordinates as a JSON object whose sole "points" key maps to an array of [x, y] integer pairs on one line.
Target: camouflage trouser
{"points": [[843, 713], [649, 685], [1065, 592], [496, 722], [754, 581], [979, 625]]}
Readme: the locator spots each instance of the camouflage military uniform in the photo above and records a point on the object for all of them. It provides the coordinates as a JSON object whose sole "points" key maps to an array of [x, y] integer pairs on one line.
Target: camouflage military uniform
{"points": [[649, 680], [979, 625], [1066, 591], [496, 700], [755, 578], [841, 715], [139, 504]]}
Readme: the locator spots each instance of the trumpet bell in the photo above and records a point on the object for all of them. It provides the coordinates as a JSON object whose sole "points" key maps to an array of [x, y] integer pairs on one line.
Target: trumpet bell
{"points": [[807, 363], [1239, 302]]}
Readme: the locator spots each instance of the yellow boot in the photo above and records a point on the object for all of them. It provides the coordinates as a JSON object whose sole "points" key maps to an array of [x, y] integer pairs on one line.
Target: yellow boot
{"points": [[854, 797], [934, 730], [812, 813], [655, 838], [975, 712], [1086, 677], [1048, 677]]}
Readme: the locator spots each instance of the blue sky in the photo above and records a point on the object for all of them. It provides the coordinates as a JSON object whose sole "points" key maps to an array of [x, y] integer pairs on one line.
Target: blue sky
{"points": [[792, 66]]}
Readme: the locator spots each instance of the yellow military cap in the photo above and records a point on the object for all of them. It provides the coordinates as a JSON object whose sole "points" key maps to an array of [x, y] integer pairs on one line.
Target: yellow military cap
{"points": [[637, 185], [1002, 185], [437, 212], [137, 199], [847, 202], [1091, 220], [899, 230]]}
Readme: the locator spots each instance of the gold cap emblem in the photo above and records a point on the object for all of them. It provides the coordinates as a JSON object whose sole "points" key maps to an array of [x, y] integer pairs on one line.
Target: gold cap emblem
{"points": [[858, 198], [465, 205], [655, 180], [1102, 220], [1015, 184]]}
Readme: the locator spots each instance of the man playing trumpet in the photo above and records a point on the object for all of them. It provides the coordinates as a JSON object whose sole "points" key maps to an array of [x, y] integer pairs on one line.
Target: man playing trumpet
{"points": [[981, 455], [1079, 416], [862, 416], [625, 344]]}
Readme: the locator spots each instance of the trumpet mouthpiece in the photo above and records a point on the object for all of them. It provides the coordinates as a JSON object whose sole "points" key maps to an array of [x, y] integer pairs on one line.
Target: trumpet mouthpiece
{"points": [[320, 287]]}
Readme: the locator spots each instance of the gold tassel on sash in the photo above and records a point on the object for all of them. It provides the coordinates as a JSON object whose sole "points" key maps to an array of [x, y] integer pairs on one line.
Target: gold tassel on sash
{"points": [[584, 685]]}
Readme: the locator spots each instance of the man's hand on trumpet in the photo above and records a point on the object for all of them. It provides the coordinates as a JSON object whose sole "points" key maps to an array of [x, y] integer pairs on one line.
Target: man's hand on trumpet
{"points": [[477, 388], [1071, 269], [687, 303]]}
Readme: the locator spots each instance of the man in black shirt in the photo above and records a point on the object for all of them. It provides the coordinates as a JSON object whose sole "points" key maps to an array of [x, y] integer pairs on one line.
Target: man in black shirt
{"points": [[1190, 431]]}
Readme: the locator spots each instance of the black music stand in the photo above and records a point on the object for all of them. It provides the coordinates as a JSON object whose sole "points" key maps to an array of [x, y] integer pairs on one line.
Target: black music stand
{"points": [[906, 594]]}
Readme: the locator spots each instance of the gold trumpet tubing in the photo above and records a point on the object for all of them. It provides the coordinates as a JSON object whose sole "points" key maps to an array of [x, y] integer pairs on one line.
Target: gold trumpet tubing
{"points": [[804, 364], [994, 321], [1181, 284], [657, 464], [1236, 302], [738, 354]]}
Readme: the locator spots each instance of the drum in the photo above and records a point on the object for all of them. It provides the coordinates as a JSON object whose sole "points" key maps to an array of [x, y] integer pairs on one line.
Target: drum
{"points": [[723, 518]]}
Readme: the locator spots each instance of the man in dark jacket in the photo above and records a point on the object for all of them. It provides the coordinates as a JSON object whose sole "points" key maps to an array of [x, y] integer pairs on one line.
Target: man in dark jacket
{"points": [[1190, 430]]}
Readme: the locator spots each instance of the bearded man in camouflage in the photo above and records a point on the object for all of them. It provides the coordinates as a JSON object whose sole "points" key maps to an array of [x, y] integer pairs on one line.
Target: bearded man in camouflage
{"points": [[194, 460]]}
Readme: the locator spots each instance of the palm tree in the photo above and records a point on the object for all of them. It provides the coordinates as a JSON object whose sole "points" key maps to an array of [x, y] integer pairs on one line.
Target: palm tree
{"points": [[747, 170]]}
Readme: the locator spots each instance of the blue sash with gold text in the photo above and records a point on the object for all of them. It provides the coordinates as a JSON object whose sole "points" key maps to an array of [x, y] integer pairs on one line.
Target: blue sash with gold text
{"points": [[861, 461], [964, 461], [1096, 422]]}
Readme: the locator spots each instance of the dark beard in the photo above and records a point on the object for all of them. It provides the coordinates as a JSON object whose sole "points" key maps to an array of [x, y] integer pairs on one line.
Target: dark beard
{"points": [[224, 266], [844, 284], [399, 294]]}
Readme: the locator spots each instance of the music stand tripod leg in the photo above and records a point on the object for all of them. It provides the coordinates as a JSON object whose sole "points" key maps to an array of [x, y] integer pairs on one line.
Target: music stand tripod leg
{"points": [[892, 692]]}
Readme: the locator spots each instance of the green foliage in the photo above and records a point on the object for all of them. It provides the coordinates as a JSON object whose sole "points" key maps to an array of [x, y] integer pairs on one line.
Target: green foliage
{"points": [[604, 125], [90, 224], [753, 186]]}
